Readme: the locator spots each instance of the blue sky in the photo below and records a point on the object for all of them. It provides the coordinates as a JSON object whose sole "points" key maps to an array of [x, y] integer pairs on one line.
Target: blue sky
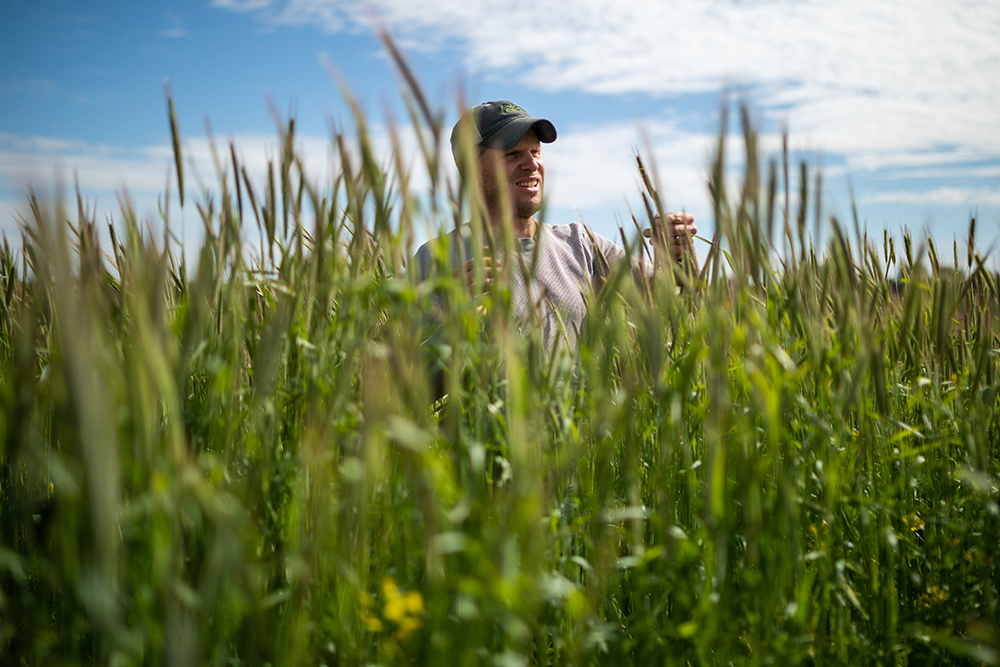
{"points": [[897, 98]]}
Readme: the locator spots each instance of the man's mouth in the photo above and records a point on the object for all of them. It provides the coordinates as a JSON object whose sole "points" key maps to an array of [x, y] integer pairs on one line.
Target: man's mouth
{"points": [[529, 183]]}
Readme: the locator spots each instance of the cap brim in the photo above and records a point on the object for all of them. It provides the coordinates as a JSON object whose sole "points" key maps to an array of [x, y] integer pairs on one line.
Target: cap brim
{"points": [[510, 135]]}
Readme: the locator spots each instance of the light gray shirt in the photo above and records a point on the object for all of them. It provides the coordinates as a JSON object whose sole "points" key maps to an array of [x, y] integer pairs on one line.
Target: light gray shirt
{"points": [[568, 262]]}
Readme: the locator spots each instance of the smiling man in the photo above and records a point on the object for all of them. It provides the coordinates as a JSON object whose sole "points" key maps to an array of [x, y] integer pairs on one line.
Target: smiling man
{"points": [[510, 154], [565, 261]]}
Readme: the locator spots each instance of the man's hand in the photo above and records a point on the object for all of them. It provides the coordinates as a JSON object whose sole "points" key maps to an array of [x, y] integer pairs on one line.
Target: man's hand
{"points": [[468, 271], [673, 235]]}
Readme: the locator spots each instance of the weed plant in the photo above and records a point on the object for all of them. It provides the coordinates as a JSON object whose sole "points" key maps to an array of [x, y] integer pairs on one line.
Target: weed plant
{"points": [[294, 454]]}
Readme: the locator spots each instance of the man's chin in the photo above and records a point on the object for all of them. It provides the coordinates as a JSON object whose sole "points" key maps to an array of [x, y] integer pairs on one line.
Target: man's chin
{"points": [[526, 212], [526, 209]]}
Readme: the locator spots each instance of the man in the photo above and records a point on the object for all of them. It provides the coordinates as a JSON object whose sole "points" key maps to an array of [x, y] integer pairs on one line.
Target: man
{"points": [[563, 261]]}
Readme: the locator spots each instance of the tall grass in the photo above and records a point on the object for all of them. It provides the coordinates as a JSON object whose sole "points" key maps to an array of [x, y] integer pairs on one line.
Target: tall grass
{"points": [[793, 459]]}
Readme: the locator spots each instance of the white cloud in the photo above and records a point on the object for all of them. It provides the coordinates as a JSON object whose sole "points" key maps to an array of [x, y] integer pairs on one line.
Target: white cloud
{"points": [[878, 81], [944, 195], [53, 167], [9, 221], [595, 166], [990, 172], [33, 87], [175, 29], [241, 5], [596, 185]]}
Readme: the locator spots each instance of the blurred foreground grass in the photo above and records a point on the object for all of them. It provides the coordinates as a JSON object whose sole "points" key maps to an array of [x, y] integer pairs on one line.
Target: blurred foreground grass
{"points": [[787, 462]]}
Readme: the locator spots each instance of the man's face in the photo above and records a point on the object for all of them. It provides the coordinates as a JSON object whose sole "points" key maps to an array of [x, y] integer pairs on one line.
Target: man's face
{"points": [[522, 171]]}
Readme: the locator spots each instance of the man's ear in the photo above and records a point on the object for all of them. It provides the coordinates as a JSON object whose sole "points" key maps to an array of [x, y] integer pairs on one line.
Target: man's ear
{"points": [[465, 148]]}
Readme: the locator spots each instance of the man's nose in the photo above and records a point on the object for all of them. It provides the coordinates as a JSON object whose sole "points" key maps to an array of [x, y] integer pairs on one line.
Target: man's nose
{"points": [[530, 162]]}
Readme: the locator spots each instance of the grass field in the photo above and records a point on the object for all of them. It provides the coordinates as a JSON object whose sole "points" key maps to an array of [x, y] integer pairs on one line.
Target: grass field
{"points": [[790, 457]]}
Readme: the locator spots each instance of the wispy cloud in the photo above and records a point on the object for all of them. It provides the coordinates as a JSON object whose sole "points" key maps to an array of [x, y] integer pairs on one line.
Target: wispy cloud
{"points": [[878, 82], [105, 174], [241, 5], [104, 169], [31, 87], [581, 181], [175, 28], [582, 178], [988, 172], [944, 195]]}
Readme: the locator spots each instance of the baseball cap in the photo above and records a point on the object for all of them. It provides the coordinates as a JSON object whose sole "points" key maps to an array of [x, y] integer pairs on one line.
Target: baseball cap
{"points": [[501, 124]]}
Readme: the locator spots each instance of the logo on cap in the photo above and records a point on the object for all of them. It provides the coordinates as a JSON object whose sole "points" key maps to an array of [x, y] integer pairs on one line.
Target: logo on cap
{"points": [[510, 107]]}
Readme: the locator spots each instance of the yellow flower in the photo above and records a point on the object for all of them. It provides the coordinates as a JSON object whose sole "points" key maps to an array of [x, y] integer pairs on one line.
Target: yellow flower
{"points": [[402, 609], [394, 609], [414, 602], [974, 556], [389, 587], [373, 624], [914, 522], [406, 626], [933, 595]]}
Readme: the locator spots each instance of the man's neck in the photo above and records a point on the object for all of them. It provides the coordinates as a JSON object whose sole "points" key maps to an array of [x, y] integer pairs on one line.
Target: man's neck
{"points": [[522, 228]]}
